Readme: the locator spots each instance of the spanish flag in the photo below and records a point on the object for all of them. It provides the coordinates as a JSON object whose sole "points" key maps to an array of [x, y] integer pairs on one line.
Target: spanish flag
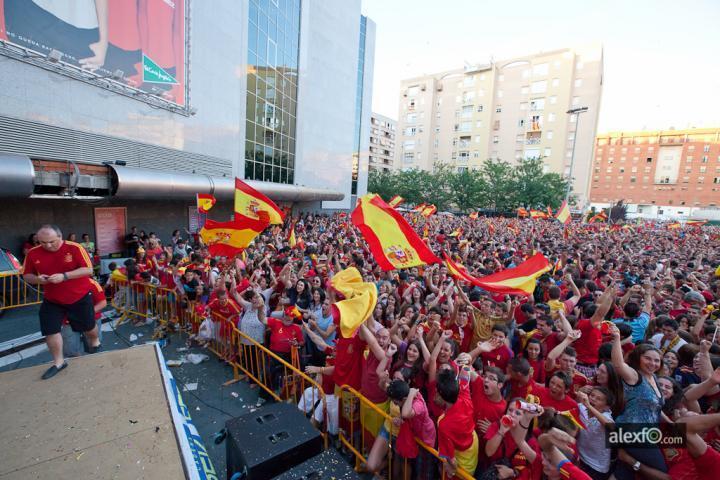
{"points": [[456, 233], [429, 210], [458, 270], [674, 225], [522, 212], [419, 208], [250, 203], [392, 241], [600, 217], [229, 238], [696, 223], [474, 216], [292, 241], [516, 281], [205, 202], [550, 212], [537, 214], [563, 214], [359, 298], [396, 201]]}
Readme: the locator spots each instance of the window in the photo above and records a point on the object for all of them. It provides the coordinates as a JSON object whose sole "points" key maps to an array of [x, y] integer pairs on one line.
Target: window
{"points": [[408, 157], [706, 148], [479, 108], [496, 139], [537, 104], [498, 110], [575, 101], [467, 111], [704, 159], [521, 123], [532, 153], [477, 138], [499, 94], [547, 152], [411, 118], [580, 65], [539, 87], [573, 117], [716, 180], [465, 126], [551, 117], [648, 160], [540, 69], [555, 82], [578, 82], [549, 135], [468, 97], [501, 77], [412, 91], [703, 169], [409, 144], [410, 131], [478, 124], [469, 81], [622, 170], [476, 154], [689, 159], [553, 100]]}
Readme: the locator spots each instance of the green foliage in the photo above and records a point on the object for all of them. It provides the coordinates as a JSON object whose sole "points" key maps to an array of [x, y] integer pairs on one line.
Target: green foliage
{"points": [[495, 185]]}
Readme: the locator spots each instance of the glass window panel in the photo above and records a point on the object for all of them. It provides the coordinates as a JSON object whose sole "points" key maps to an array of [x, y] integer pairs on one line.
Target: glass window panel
{"points": [[249, 150], [252, 38], [283, 175], [267, 173], [291, 177], [276, 174], [250, 131], [249, 170]]}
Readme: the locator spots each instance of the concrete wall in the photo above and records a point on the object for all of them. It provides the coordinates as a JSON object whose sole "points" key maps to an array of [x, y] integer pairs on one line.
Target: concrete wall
{"points": [[20, 218]]}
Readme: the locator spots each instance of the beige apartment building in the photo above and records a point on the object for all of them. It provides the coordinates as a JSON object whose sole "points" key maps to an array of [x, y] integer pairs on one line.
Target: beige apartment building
{"points": [[505, 109], [382, 143]]}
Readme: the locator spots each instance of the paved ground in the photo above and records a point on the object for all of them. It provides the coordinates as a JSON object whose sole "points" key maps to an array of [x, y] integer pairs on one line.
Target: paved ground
{"points": [[18, 322]]}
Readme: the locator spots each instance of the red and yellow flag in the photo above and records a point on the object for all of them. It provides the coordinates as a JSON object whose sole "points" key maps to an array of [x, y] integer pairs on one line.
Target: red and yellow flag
{"points": [[491, 227], [292, 241], [563, 214], [696, 223], [456, 233], [522, 212], [252, 204], [392, 241], [359, 298], [474, 216], [429, 210], [516, 281], [229, 238], [458, 270], [205, 202], [538, 214], [550, 212], [600, 217], [396, 201], [419, 208], [674, 225]]}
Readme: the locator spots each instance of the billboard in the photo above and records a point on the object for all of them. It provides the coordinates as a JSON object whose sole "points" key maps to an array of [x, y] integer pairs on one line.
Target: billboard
{"points": [[140, 43]]}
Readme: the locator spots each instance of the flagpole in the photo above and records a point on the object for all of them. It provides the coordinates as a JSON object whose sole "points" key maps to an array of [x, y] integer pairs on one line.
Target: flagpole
{"points": [[576, 112]]}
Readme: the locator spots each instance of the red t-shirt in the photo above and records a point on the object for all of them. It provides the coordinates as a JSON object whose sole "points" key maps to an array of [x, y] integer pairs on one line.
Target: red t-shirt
{"points": [[564, 405], [67, 258], [370, 387], [282, 335], [508, 449], [707, 464], [348, 356], [456, 427], [680, 464], [530, 388], [588, 345], [538, 367], [497, 358], [220, 311], [572, 472], [485, 409]]}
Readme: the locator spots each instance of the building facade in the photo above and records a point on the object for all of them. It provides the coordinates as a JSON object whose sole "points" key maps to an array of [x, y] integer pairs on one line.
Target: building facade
{"points": [[261, 90], [382, 143], [505, 109], [659, 174]]}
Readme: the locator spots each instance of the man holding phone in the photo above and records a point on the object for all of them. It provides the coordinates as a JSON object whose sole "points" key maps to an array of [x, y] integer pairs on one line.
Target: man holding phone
{"points": [[64, 269]]}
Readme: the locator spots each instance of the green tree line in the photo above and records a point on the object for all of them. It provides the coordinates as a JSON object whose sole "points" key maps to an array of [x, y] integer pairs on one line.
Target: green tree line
{"points": [[496, 185]]}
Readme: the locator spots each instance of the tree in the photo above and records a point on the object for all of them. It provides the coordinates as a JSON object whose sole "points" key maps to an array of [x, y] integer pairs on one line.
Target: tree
{"points": [[535, 188], [466, 189], [497, 187]]}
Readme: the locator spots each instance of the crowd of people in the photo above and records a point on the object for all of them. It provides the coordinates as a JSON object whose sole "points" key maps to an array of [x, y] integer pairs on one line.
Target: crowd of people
{"points": [[622, 331]]}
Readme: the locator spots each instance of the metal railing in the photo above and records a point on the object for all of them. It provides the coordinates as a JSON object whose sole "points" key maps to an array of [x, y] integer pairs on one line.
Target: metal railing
{"points": [[16, 292]]}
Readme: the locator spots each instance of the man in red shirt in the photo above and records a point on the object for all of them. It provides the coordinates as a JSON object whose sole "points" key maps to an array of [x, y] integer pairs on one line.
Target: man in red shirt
{"points": [[64, 269], [457, 440], [521, 382]]}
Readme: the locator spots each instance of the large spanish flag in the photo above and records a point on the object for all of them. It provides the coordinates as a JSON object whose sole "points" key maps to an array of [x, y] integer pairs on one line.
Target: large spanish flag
{"points": [[396, 201], [458, 270], [516, 281], [600, 217], [229, 238], [419, 208], [674, 225], [537, 214], [429, 210], [205, 202], [392, 241], [695, 223], [252, 204], [563, 214]]}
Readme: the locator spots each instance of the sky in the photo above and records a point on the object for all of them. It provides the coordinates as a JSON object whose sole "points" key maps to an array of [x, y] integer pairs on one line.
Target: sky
{"points": [[661, 57]]}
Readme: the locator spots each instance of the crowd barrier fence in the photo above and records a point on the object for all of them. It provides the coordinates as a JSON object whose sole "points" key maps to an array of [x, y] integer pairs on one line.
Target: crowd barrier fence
{"points": [[279, 376], [16, 292]]}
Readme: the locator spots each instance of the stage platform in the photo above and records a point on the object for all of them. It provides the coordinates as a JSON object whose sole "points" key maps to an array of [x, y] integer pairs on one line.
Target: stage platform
{"points": [[112, 415]]}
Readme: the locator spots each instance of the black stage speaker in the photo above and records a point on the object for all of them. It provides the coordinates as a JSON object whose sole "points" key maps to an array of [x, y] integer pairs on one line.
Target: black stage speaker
{"points": [[329, 465], [269, 441]]}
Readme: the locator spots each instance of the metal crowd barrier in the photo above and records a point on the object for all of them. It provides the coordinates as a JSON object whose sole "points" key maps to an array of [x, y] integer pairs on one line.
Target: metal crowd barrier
{"points": [[355, 441], [16, 292], [279, 378]]}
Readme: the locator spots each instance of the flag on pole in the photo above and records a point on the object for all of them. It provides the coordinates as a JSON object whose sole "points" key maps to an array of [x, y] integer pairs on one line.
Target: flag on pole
{"points": [[563, 214], [429, 210], [600, 217], [474, 216], [396, 201], [513, 281], [292, 241], [229, 238], [419, 208], [392, 241], [205, 202], [516, 281], [252, 204], [522, 212]]}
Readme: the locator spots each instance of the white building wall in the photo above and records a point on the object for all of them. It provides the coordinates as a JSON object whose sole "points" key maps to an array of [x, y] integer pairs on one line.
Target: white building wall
{"points": [[365, 125], [329, 38]]}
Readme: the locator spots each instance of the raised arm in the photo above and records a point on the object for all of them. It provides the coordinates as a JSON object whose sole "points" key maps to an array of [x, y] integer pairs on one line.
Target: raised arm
{"points": [[555, 353], [626, 372], [372, 342]]}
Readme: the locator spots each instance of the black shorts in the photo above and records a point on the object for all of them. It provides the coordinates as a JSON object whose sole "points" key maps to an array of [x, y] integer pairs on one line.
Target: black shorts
{"points": [[80, 314]]}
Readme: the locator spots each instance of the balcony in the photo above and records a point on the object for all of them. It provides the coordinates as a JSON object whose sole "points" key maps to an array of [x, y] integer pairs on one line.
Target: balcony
{"points": [[532, 141]]}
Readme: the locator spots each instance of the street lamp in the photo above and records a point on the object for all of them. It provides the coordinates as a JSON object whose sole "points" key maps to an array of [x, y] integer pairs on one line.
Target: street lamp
{"points": [[576, 112]]}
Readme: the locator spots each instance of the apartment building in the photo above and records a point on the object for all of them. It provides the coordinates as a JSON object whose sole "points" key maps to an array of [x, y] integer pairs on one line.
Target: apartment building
{"points": [[382, 143], [505, 109], [659, 174]]}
